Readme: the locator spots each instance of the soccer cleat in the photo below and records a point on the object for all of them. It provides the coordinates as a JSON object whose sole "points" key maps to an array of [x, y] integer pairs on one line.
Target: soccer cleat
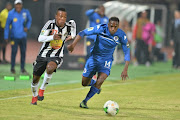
{"points": [[83, 104], [40, 95], [99, 91], [34, 100]]}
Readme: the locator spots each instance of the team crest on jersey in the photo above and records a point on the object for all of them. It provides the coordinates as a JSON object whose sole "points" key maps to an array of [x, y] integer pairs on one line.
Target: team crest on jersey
{"points": [[97, 20], [116, 38], [91, 28]]}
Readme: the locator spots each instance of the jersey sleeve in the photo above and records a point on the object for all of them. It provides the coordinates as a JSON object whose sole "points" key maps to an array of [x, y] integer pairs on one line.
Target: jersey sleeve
{"points": [[90, 14], [125, 46], [91, 31], [73, 28], [29, 19], [44, 35]]}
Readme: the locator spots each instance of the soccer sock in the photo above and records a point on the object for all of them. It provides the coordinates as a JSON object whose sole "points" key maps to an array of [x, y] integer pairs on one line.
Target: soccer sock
{"points": [[93, 90], [92, 82], [34, 87], [47, 78]]}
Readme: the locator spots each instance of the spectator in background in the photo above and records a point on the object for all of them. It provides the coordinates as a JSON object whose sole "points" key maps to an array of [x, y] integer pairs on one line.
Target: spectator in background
{"points": [[148, 31], [139, 52], [20, 20], [158, 38], [96, 17], [176, 40], [3, 43]]}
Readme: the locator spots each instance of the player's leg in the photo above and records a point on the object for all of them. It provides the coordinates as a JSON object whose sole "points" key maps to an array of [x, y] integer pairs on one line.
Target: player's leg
{"points": [[14, 46], [51, 67], [23, 54], [39, 67], [34, 87]]}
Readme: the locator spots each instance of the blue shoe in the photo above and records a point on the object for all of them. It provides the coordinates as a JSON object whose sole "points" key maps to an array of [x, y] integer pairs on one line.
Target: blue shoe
{"points": [[83, 104], [99, 91]]}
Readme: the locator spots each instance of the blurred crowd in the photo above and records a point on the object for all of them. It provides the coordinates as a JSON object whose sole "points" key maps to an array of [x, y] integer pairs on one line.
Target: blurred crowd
{"points": [[145, 38]]}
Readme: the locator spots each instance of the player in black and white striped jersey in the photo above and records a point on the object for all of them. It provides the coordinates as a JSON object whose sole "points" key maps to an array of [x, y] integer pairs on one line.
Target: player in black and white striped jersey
{"points": [[54, 34]]}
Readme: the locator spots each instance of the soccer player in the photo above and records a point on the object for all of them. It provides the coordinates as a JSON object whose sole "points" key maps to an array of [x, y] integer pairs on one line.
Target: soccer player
{"points": [[108, 36], [54, 34]]}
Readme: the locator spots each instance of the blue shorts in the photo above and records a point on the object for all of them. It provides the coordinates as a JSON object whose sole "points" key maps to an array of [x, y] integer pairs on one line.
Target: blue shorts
{"points": [[92, 66]]}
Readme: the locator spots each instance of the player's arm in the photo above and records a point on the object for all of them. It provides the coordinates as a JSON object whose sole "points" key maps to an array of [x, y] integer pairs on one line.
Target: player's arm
{"points": [[73, 30], [81, 34], [126, 50], [90, 14], [44, 35], [29, 21]]}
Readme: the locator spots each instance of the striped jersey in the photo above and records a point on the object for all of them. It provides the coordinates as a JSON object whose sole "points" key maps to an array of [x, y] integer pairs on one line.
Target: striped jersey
{"points": [[51, 47]]}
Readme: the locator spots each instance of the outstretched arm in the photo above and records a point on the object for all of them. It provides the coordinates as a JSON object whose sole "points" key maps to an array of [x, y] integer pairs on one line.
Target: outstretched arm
{"points": [[76, 40], [124, 74]]}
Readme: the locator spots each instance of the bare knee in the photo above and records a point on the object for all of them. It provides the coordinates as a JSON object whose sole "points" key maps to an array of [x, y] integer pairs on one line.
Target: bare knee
{"points": [[36, 78], [51, 67], [86, 81]]}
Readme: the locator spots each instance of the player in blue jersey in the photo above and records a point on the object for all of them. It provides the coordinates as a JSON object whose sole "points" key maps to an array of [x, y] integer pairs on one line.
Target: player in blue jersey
{"points": [[108, 36]]}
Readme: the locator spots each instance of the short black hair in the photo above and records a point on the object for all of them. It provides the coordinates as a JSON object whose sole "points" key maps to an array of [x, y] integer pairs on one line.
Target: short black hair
{"points": [[114, 19], [61, 9]]}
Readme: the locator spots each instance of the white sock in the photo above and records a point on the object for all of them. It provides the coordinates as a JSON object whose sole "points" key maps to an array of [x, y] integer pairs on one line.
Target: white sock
{"points": [[47, 78], [34, 88]]}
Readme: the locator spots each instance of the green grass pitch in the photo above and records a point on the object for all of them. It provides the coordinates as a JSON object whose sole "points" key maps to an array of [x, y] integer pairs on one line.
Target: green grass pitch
{"points": [[150, 93]]}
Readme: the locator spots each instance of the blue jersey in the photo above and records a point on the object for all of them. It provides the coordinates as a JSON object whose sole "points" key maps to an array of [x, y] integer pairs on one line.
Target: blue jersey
{"points": [[95, 19], [18, 21], [105, 43]]}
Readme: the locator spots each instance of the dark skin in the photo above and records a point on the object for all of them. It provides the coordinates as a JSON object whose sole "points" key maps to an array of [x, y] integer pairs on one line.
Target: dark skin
{"points": [[113, 27], [60, 22]]}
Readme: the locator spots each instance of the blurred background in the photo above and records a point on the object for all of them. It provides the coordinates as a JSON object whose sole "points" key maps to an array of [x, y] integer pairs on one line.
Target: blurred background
{"points": [[127, 11]]}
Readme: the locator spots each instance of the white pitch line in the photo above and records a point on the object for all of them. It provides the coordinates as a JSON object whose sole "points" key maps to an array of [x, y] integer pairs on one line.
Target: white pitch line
{"points": [[59, 91]]}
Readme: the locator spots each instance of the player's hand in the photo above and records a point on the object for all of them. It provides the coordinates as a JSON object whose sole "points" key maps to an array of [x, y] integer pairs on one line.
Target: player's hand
{"points": [[57, 36], [124, 75], [25, 29], [70, 47], [68, 38]]}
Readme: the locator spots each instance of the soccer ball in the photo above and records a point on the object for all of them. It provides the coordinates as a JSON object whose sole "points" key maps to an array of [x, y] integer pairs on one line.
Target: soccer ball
{"points": [[111, 108]]}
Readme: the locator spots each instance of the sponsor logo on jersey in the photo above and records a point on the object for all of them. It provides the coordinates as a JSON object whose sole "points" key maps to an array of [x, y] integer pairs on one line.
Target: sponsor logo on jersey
{"points": [[97, 20], [15, 20], [56, 44]]}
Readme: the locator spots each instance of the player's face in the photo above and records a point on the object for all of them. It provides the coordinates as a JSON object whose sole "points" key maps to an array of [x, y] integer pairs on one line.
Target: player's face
{"points": [[18, 7], [113, 26], [61, 18]]}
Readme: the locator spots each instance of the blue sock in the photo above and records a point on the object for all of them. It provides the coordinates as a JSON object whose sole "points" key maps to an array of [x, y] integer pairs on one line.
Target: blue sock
{"points": [[92, 82], [93, 90]]}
